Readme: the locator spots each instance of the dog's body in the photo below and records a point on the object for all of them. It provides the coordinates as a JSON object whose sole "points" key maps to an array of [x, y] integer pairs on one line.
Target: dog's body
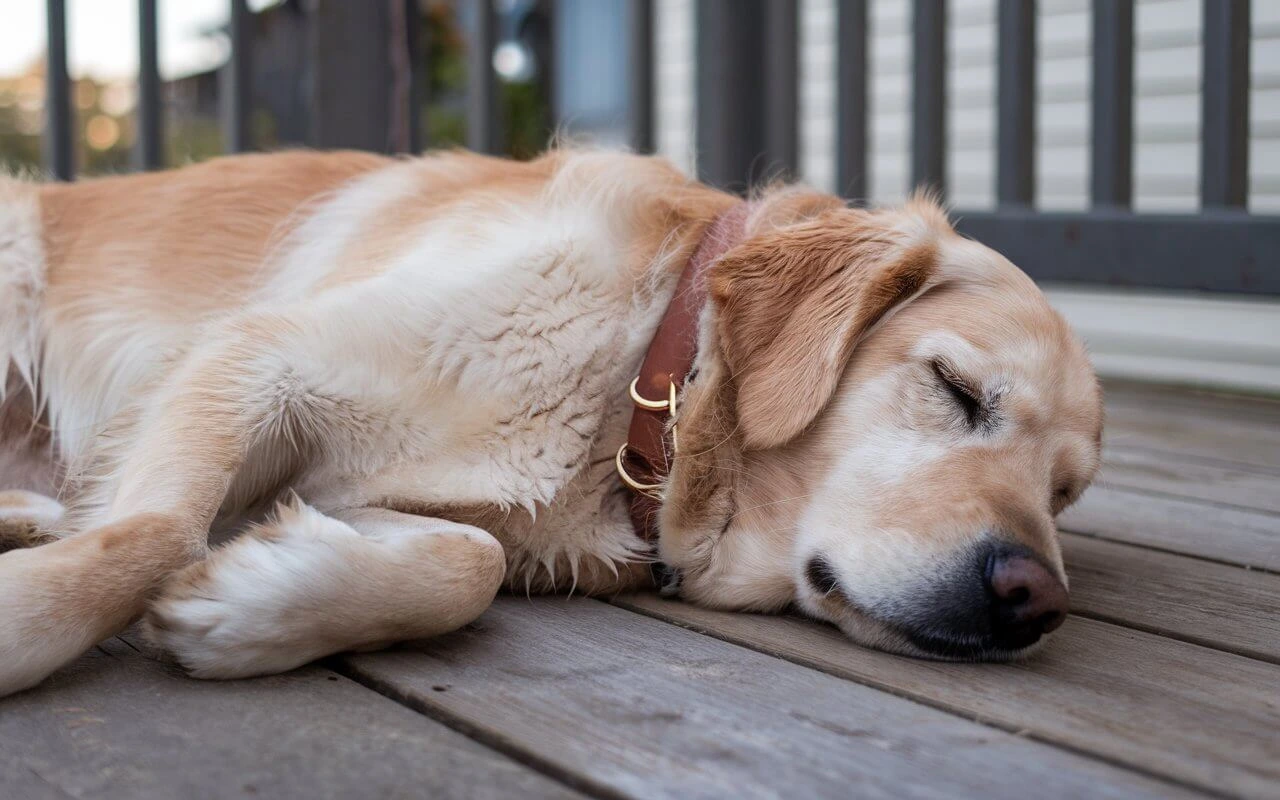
{"points": [[433, 355]]}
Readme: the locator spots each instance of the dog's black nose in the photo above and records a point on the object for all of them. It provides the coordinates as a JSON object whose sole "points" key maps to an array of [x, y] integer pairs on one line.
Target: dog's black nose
{"points": [[1027, 599], [821, 575]]}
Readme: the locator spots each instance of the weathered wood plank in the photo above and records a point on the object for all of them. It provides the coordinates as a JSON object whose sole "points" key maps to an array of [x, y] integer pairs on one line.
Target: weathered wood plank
{"points": [[1235, 535], [1241, 430], [1190, 477], [120, 725], [1197, 715], [1203, 404], [644, 709], [1179, 434], [1219, 606]]}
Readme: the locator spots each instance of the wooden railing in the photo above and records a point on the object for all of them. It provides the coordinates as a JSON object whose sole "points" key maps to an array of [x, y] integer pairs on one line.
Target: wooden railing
{"points": [[747, 121]]}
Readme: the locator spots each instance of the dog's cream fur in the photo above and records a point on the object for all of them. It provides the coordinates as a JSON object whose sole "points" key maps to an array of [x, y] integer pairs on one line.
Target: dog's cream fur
{"points": [[402, 383]]}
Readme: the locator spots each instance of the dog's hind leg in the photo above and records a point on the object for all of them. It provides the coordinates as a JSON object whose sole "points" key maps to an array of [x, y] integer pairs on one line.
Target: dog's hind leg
{"points": [[151, 516], [307, 585]]}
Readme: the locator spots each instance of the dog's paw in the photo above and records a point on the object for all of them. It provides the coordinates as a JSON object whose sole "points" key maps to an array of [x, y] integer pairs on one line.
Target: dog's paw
{"points": [[250, 608], [27, 519]]}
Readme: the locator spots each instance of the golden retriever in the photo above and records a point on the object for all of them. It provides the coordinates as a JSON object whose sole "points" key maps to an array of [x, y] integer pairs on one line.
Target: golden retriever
{"points": [[403, 382]]}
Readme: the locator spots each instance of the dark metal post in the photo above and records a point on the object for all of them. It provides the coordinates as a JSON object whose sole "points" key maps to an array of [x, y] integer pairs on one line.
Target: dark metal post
{"points": [[482, 85], [1224, 145], [1111, 153], [59, 158], [419, 75], [350, 74], [730, 72], [782, 73], [851, 99], [640, 80], [404, 134], [149, 152], [1016, 129], [929, 94], [543, 31], [237, 81]]}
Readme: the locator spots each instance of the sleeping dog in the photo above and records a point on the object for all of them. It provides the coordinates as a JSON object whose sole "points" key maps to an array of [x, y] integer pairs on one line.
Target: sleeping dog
{"points": [[397, 385]]}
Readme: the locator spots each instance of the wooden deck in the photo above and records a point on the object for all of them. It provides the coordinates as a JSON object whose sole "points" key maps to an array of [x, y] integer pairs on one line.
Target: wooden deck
{"points": [[1165, 682]]}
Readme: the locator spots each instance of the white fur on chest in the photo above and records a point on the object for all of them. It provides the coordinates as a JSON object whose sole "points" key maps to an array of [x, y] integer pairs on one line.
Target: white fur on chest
{"points": [[487, 366]]}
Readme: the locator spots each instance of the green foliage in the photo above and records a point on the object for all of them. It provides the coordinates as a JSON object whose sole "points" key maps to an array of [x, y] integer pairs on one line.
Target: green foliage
{"points": [[522, 107], [525, 120]]}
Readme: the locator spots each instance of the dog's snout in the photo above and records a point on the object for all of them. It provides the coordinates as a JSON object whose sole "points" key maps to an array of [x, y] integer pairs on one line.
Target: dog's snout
{"points": [[1027, 599], [1003, 600], [992, 603]]}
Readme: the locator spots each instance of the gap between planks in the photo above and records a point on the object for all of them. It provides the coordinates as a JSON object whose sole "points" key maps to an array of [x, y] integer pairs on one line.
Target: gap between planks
{"points": [[480, 734], [1223, 607], [1190, 432], [1190, 477], [119, 724], [1242, 537]]}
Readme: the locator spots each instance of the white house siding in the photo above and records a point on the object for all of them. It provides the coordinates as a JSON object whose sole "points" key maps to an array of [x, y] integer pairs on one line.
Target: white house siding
{"points": [[673, 55], [1216, 341], [1166, 100]]}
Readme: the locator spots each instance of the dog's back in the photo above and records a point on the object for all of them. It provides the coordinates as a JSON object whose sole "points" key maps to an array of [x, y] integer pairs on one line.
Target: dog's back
{"points": [[103, 279]]}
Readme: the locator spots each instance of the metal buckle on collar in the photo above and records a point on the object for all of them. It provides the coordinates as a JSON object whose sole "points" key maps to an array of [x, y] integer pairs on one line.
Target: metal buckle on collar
{"points": [[652, 490]]}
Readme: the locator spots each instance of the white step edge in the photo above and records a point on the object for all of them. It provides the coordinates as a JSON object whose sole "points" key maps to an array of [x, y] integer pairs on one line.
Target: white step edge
{"points": [[1227, 343]]}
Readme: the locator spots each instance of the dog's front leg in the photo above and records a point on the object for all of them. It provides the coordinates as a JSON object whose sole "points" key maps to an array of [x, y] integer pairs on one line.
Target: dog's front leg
{"points": [[307, 585], [58, 600]]}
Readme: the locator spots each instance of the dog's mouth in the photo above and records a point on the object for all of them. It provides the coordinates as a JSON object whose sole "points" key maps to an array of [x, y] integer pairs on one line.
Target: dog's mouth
{"points": [[921, 638], [950, 647]]}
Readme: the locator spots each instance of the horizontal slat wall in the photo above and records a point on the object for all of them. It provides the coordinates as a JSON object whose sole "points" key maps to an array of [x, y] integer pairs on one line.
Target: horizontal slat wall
{"points": [[1148, 63], [1166, 100], [674, 80]]}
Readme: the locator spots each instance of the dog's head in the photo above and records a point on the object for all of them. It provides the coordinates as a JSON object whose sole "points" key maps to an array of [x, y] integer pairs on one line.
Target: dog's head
{"points": [[885, 419]]}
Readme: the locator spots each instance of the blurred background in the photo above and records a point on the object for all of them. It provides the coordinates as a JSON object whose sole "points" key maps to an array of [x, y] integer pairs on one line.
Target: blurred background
{"points": [[193, 47], [569, 65]]}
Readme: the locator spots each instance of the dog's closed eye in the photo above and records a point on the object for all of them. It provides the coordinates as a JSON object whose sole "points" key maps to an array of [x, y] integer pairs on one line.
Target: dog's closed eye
{"points": [[966, 395]]}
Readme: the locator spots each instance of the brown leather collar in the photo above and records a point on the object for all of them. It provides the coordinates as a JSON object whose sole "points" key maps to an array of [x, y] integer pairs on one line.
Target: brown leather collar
{"points": [[645, 460]]}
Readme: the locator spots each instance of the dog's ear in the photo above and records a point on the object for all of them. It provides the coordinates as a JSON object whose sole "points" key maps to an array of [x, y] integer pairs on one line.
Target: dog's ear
{"points": [[794, 302]]}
